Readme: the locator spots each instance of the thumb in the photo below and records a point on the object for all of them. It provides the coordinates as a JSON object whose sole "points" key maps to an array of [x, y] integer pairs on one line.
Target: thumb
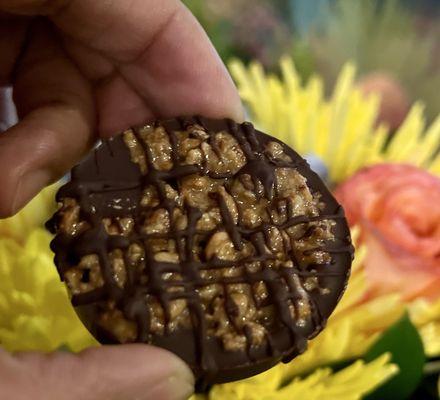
{"points": [[129, 372]]}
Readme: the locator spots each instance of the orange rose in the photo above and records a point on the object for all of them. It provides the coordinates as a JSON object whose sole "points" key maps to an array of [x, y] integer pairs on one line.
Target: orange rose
{"points": [[398, 210]]}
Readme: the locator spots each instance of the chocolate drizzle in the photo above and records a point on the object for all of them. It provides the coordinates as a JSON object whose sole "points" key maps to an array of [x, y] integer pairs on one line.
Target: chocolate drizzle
{"points": [[109, 185]]}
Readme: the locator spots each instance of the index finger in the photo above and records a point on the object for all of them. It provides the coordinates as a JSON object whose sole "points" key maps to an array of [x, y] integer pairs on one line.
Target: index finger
{"points": [[157, 46]]}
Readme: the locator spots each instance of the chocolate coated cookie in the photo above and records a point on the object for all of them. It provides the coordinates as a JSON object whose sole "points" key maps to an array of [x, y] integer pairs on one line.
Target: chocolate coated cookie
{"points": [[205, 237]]}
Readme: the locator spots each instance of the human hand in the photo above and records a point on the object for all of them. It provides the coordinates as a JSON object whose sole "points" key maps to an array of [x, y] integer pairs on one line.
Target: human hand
{"points": [[131, 372], [80, 70], [85, 67]]}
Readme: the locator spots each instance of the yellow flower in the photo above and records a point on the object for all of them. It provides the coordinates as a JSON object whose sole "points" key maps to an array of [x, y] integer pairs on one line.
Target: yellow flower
{"points": [[351, 383], [427, 317], [35, 311], [34, 215], [340, 130]]}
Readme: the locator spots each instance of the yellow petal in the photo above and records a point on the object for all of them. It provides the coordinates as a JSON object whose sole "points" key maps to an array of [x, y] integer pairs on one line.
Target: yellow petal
{"points": [[34, 215], [341, 130], [426, 316], [36, 313], [351, 383]]}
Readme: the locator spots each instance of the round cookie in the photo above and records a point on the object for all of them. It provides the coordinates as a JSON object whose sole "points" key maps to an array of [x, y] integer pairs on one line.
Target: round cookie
{"points": [[204, 237]]}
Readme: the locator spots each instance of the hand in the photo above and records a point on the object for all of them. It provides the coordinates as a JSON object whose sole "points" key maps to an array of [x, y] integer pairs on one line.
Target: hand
{"points": [[131, 372], [84, 68]]}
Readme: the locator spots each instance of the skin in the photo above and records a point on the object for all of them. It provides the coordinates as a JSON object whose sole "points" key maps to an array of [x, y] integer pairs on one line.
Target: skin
{"points": [[83, 69], [97, 67]]}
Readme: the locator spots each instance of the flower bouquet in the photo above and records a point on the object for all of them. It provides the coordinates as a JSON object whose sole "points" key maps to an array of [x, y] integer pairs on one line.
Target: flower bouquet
{"points": [[383, 340]]}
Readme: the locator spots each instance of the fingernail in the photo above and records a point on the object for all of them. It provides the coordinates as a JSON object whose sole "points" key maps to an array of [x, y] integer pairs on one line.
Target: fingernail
{"points": [[175, 387], [28, 186]]}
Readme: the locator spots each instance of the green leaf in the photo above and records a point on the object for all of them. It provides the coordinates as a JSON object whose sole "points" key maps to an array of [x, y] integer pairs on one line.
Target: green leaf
{"points": [[403, 341]]}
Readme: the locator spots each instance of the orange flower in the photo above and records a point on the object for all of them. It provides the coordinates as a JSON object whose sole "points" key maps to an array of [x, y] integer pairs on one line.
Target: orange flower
{"points": [[398, 210]]}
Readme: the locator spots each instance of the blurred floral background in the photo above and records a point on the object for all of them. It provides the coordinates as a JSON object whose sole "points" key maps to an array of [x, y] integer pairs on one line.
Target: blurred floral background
{"points": [[351, 85], [394, 43]]}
